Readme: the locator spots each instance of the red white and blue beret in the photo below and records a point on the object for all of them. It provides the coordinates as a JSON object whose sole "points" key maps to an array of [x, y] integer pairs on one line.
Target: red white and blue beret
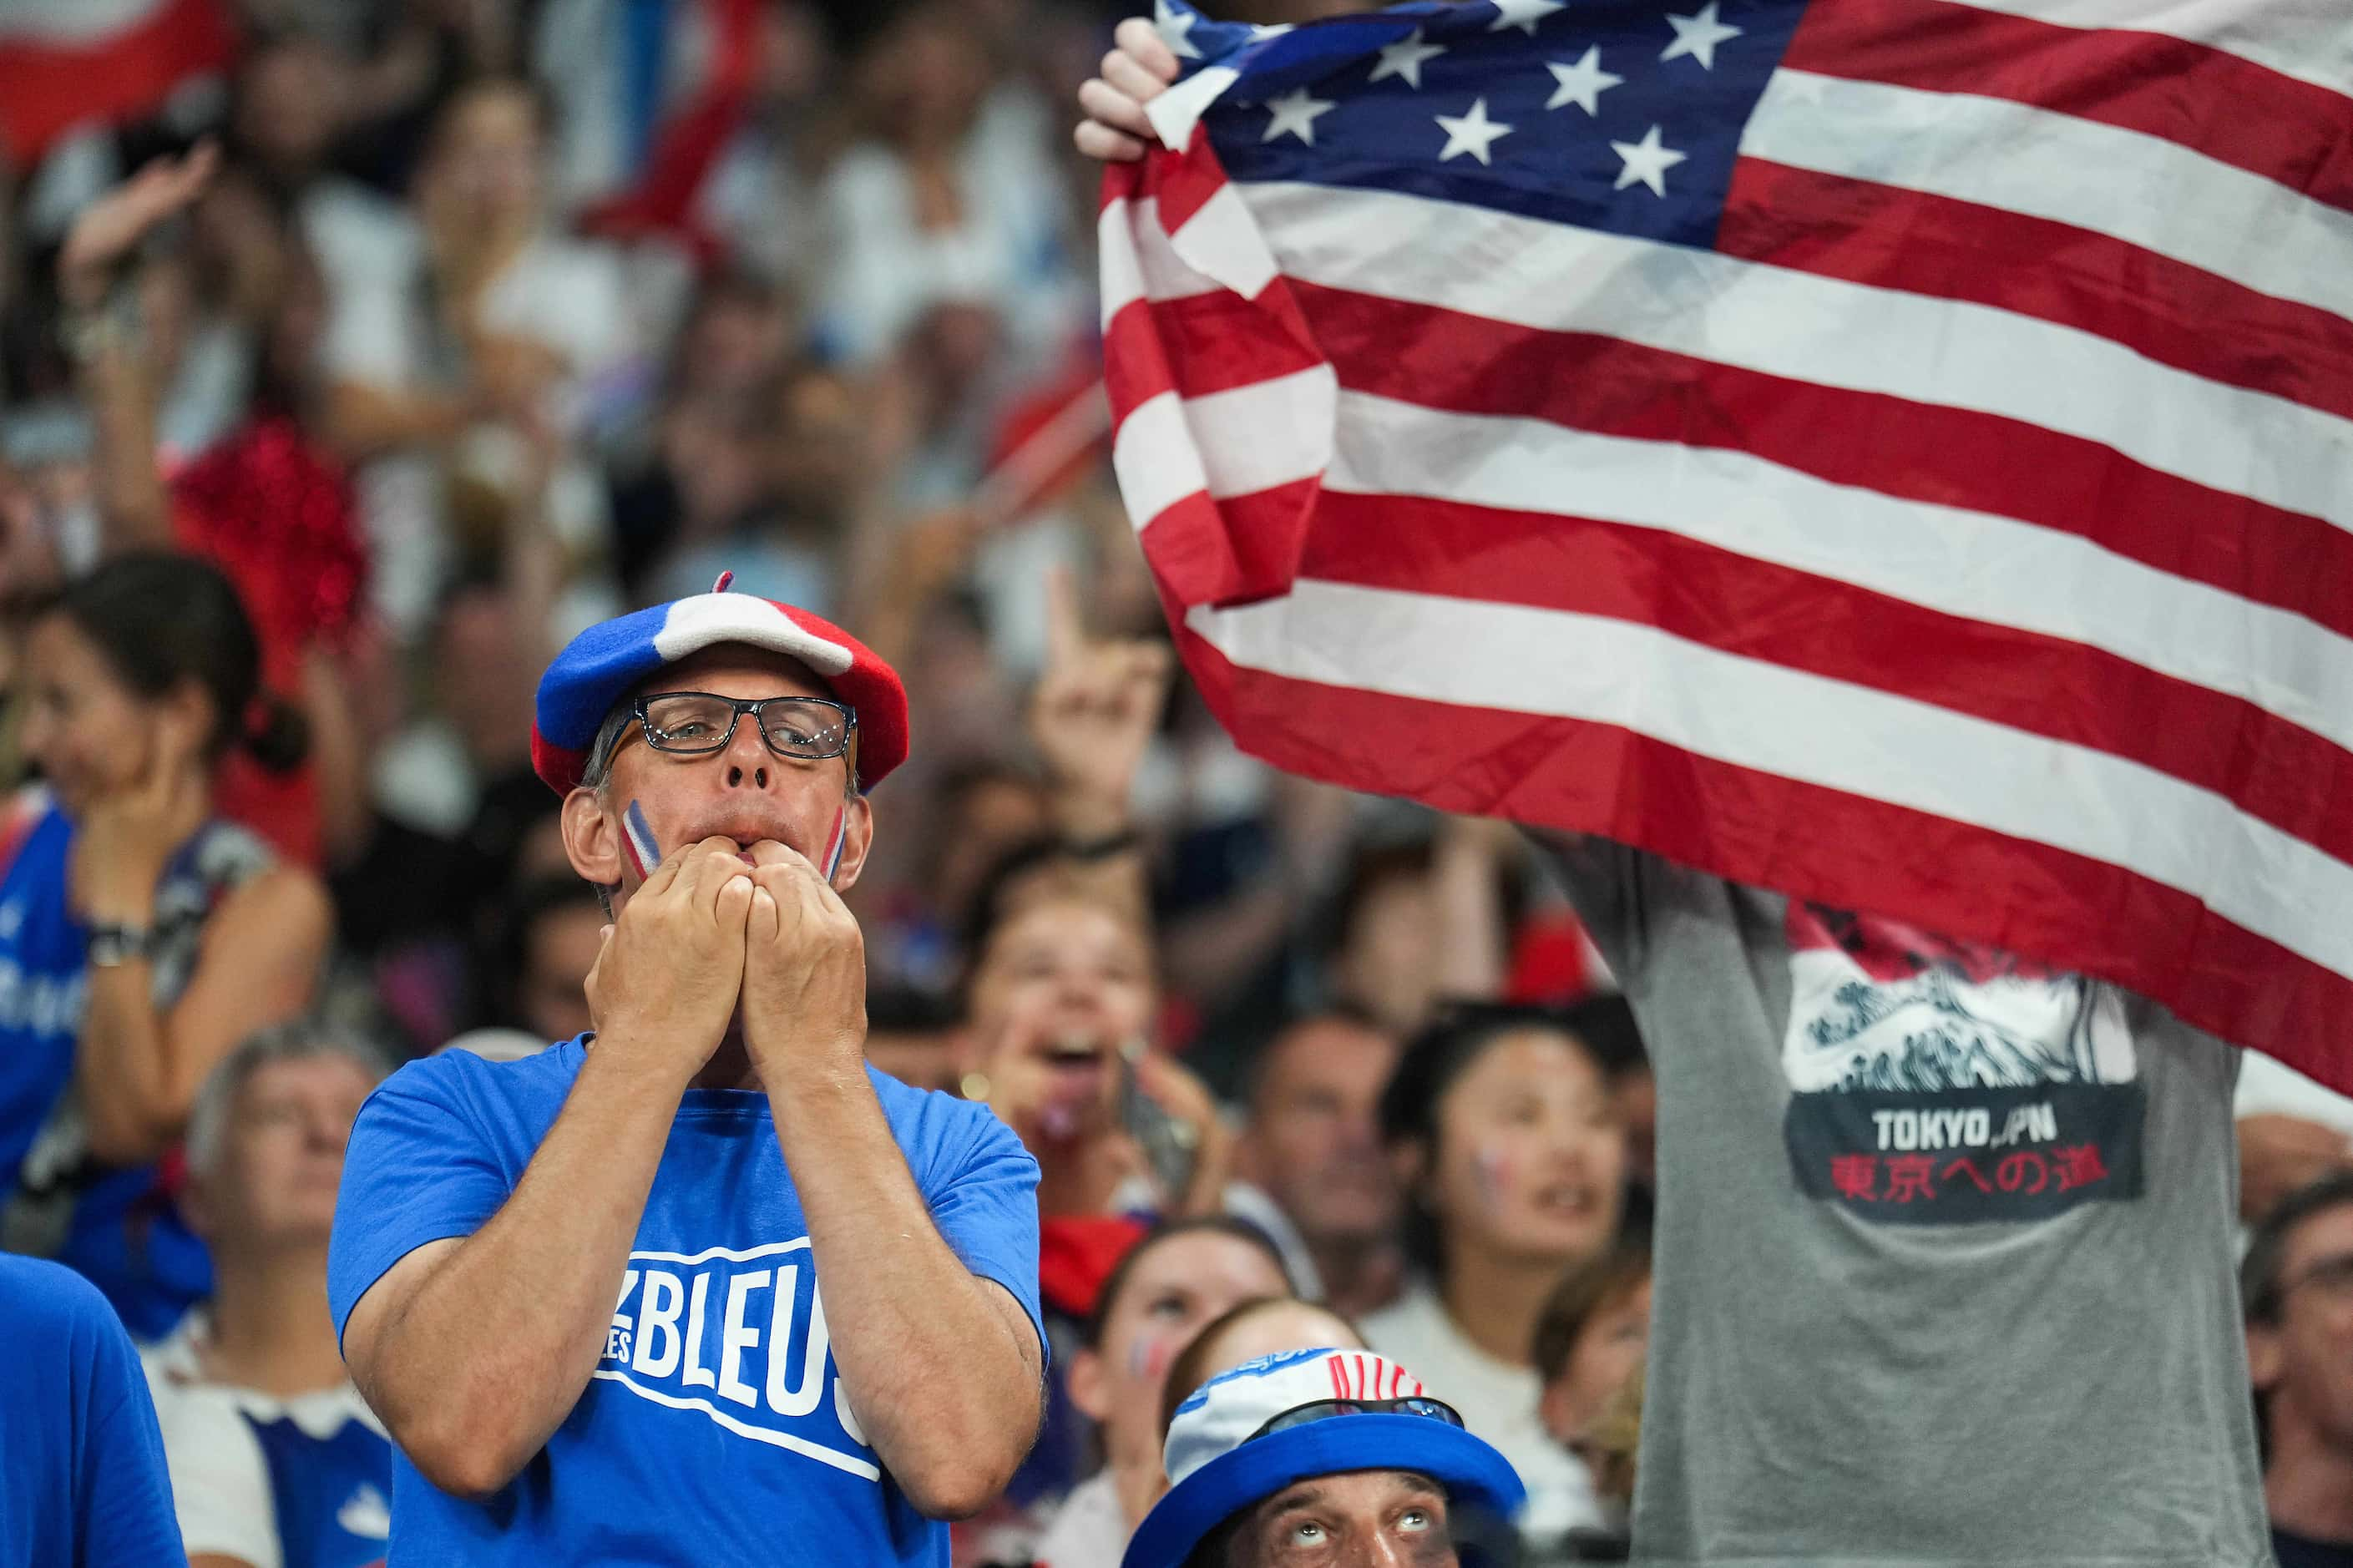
{"points": [[610, 660]]}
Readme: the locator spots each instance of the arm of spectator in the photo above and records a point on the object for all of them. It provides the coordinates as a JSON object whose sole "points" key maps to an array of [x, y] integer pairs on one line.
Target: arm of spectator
{"points": [[139, 1070], [1095, 710], [368, 419], [475, 1342], [472, 1311], [1139, 68], [1467, 867], [930, 1284], [932, 1311], [112, 372]]}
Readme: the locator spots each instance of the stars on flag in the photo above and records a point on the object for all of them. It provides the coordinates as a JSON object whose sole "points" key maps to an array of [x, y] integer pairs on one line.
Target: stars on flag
{"points": [[1647, 161], [1175, 26], [1577, 79], [1581, 84], [1697, 36], [1295, 112], [1473, 132], [1523, 14], [1404, 59]]}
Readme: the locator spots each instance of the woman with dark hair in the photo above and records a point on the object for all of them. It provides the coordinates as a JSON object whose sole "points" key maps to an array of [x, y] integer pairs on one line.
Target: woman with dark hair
{"points": [[1501, 1123], [1155, 1299], [140, 937]]}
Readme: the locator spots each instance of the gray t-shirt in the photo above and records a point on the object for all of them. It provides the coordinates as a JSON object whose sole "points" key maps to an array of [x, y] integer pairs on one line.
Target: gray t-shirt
{"points": [[1943, 1246]]}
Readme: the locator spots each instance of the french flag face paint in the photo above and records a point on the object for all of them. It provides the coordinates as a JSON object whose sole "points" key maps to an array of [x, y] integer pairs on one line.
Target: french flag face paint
{"points": [[841, 838], [637, 834]]}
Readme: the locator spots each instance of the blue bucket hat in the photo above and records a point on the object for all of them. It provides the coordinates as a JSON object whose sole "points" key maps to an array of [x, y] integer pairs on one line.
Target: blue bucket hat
{"points": [[1222, 1459]]}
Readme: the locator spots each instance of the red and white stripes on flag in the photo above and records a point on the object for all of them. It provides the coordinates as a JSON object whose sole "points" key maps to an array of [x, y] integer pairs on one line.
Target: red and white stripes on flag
{"points": [[1967, 537]]}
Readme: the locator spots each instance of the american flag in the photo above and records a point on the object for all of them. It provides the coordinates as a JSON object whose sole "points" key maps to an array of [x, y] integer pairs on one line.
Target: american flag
{"points": [[1896, 451]]}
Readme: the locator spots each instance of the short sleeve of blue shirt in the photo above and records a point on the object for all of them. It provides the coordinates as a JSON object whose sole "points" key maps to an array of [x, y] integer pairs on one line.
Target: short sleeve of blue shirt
{"points": [[419, 1168], [85, 1481], [987, 1209]]}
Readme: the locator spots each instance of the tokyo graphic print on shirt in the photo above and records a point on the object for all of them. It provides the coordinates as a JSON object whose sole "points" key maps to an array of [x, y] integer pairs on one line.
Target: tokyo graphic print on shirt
{"points": [[1935, 1082]]}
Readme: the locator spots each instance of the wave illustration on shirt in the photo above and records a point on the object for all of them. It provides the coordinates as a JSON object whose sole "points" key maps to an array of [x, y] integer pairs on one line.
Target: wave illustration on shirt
{"points": [[1877, 1005]]}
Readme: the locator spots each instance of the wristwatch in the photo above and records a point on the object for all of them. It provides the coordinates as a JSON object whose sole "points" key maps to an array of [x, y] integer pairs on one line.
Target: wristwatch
{"points": [[112, 945]]}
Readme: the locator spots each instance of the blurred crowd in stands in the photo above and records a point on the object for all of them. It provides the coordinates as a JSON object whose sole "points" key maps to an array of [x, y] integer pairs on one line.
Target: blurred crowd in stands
{"points": [[387, 343]]}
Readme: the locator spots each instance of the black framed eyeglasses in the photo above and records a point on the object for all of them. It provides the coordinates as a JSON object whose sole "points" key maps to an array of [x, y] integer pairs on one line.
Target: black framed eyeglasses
{"points": [[1326, 1409], [696, 723]]}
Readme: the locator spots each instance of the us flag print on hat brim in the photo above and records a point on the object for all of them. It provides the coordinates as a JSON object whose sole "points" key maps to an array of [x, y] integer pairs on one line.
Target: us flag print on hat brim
{"points": [[608, 661]]}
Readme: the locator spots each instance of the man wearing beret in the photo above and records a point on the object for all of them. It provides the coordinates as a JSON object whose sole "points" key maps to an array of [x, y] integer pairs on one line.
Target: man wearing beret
{"points": [[699, 1286]]}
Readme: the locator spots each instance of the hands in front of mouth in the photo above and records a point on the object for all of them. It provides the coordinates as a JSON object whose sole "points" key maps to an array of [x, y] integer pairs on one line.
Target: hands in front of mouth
{"points": [[804, 973], [665, 983], [708, 931]]}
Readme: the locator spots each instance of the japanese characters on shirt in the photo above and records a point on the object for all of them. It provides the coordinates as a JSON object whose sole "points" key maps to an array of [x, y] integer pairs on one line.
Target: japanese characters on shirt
{"points": [[1940, 1082]]}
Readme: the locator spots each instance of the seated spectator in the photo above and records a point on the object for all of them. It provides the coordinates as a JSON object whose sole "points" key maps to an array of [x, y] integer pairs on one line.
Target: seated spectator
{"points": [[2297, 1284], [84, 1482], [1313, 1171], [1589, 1344], [276, 1461], [1507, 1138], [1261, 1326], [1168, 1285], [140, 937], [1268, 1469]]}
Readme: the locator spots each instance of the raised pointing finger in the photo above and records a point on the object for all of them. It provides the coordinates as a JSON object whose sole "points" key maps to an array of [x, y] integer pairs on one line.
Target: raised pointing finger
{"points": [[1066, 636]]}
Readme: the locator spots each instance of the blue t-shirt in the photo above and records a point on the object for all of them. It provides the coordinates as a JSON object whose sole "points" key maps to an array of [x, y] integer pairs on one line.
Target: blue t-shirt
{"points": [[82, 1483], [715, 1428]]}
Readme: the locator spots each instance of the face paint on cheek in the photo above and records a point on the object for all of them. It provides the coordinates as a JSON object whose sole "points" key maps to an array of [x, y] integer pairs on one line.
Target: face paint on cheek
{"points": [[1148, 1359], [1491, 1169], [840, 840], [637, 837]]}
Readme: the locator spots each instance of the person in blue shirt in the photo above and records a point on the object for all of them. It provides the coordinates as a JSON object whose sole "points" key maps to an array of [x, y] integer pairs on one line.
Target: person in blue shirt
{"points": [[140, 935], [700, 1286], [81, 1468]]}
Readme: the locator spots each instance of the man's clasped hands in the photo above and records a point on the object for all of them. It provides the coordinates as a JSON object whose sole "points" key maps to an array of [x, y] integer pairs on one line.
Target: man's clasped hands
{"points": [[714, 928]]}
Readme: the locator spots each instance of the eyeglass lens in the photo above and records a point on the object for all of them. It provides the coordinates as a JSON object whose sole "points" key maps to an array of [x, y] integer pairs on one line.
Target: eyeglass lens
{"points": [[694, 722]]}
